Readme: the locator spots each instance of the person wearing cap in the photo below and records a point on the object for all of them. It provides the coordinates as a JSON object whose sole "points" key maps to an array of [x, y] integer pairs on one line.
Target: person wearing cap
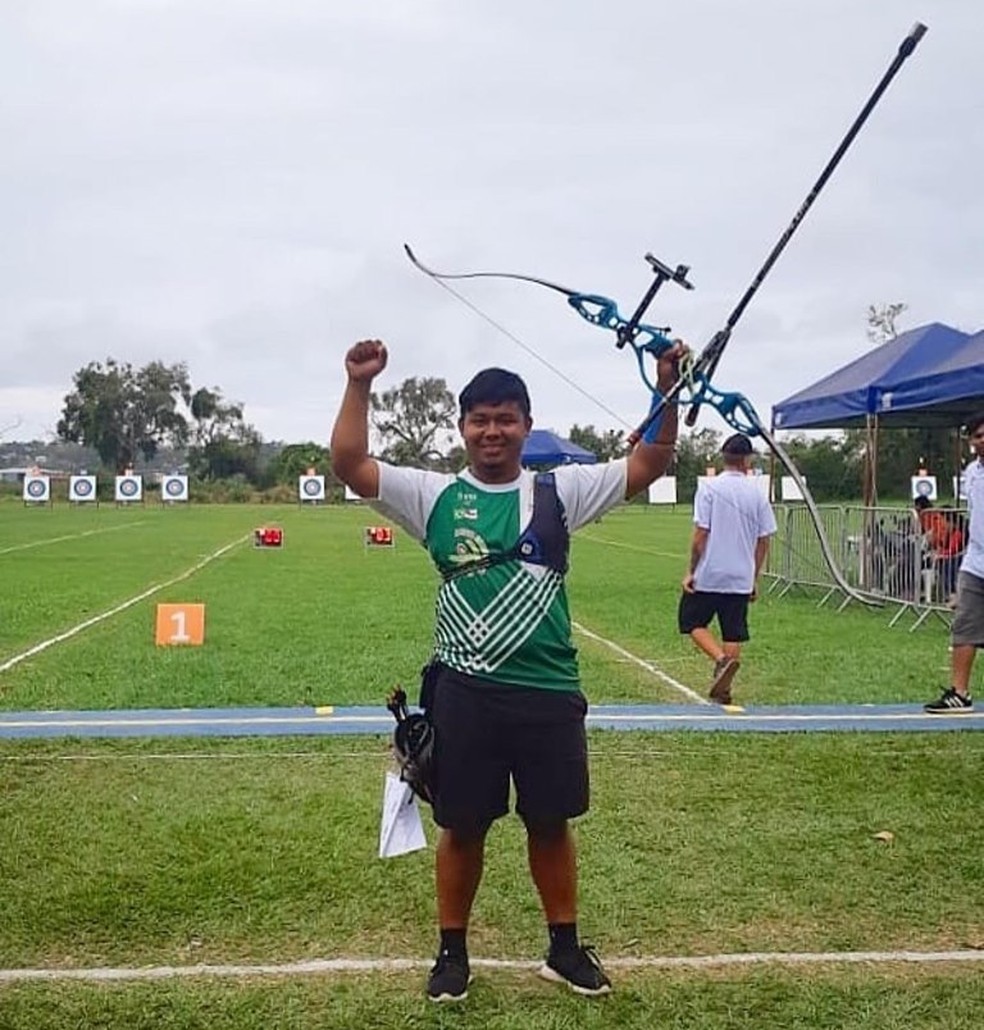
{"points": [[733, 524]]}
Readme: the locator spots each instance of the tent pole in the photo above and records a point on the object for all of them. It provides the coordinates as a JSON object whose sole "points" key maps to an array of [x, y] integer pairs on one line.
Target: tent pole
{"points": [[773, 490], [870, 499], [870, 480], [874, 462]]}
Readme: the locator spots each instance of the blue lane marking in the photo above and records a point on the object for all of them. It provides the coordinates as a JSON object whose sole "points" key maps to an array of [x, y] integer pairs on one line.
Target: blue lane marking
{"points": [[247, 722]]}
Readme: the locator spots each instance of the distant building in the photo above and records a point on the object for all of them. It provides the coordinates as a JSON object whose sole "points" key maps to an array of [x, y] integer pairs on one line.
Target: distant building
{"points": [[17, 474]]}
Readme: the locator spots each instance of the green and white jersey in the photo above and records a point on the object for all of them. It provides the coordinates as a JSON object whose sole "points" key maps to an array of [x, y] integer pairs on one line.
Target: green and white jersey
{"points": [[508, 623]]}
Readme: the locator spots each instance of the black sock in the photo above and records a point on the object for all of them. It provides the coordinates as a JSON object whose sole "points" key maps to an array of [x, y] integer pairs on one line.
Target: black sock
{"points": [[563, 936], [453, 943]]}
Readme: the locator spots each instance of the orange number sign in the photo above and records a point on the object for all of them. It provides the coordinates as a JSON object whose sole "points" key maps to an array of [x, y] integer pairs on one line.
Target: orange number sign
{"points": [[180, 624]]}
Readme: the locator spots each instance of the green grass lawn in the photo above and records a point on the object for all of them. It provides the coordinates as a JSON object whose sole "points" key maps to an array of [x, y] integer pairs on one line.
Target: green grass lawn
{"points": [[133, 853], [130, 853], [325, 621], [774, 998]]}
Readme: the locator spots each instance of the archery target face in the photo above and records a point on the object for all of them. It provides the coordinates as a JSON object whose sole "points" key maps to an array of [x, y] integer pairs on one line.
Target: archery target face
{"points": [[311, 488], [82, 488], [924, 486], [36, 488], [129, 488], [175, 488]]}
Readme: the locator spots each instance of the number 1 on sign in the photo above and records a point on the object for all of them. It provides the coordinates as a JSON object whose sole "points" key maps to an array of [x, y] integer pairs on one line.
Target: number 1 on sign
{"points": [[180, 634], [180, 624]]}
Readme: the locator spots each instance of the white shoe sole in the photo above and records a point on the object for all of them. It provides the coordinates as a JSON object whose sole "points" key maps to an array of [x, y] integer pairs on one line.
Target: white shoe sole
{"points": [[444, 999], [551, 974]]}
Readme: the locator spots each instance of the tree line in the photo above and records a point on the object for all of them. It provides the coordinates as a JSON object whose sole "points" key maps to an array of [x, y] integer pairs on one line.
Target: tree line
{"points": [[126, 413]]}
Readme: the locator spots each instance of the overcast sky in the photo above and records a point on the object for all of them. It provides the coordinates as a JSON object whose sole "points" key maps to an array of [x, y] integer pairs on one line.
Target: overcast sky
{"points": [[229, 183]]}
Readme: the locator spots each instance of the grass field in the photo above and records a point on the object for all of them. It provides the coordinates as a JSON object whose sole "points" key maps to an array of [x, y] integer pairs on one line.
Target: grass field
{"points": [[149, 853], [324, 621]]}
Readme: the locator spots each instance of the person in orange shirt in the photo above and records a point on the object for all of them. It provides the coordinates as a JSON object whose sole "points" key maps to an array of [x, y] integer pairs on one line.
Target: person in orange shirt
{"points": [[945, 540]]}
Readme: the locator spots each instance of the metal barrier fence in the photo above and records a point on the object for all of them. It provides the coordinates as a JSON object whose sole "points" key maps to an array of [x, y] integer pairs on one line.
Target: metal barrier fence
{"points": [[887, 553]]}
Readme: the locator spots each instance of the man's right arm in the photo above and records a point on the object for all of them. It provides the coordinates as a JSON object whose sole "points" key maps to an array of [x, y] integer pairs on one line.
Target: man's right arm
{"points": [[350, 459], [698, 544]]}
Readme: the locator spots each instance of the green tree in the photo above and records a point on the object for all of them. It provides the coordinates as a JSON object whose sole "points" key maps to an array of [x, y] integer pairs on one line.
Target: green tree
{"points": [[831, 465], [122, 412], [295, 459], [695, 452], [455, 460], [224, 444], [414, 421], [606, 446]]}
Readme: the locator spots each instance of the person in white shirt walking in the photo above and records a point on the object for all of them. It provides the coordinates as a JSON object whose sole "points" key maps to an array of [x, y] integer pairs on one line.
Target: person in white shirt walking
{"points": [[733, 524], [967, 630]]}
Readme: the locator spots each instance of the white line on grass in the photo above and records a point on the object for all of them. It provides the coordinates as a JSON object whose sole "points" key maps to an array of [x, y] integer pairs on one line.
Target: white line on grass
{"points": [[389, 965], [71, 536], [45, 644], [630, 547], [642, 663]]}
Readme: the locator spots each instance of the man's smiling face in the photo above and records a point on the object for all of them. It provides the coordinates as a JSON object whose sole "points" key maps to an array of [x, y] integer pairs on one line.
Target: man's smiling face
{"points": [[494, 435]]}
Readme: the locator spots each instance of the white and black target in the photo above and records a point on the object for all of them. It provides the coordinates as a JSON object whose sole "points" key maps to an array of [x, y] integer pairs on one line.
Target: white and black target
{"points": [[82, 488], [129, 489], [924, 486], [174, 488], [311, 488], [37, 489]]}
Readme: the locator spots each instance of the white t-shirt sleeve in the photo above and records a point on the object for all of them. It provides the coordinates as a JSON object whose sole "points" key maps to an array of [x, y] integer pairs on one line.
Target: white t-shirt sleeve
{"points": [[407, 495], [588, 491], [703, 505]]}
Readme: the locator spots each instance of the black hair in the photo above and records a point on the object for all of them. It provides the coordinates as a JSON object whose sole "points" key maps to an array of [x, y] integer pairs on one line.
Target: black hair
{"points": [[922, 502], [737, 446], [975, 422], [494, 386]]}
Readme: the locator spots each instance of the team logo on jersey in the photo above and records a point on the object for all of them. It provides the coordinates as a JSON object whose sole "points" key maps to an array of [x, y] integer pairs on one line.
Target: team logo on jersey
{"points": [[460, 514], [469, 546]]}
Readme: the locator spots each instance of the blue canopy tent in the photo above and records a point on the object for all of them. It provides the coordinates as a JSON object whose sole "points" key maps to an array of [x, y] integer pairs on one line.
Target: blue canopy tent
{"points": [[544, 447], [930, 376]]}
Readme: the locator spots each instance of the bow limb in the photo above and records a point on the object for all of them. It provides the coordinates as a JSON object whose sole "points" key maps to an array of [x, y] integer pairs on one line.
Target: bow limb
{"points": [[489, 275], [595, 308], [811, 506]]}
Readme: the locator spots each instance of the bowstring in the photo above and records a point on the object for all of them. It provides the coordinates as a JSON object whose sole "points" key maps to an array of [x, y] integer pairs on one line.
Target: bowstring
{"points": [[688, 372], [529, 350]]}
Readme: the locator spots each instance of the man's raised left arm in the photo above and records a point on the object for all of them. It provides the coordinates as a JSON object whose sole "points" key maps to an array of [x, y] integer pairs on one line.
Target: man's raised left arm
{"points": [[648, 461]]}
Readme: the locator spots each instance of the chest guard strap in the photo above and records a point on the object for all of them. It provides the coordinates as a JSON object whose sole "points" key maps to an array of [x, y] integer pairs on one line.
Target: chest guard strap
{"points": [[545, 541]]}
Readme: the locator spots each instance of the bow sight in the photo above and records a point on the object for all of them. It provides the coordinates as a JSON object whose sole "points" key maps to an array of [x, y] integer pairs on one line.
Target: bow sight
{"points": [[663, 273]]}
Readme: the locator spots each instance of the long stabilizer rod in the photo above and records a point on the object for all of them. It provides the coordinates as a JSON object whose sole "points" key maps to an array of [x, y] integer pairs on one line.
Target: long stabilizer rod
{"points": [[707, 361]]}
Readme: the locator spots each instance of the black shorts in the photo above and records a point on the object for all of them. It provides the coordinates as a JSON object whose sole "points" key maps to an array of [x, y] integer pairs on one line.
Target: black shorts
{"points": [[968, 618], [487, 733], [697, 610]]}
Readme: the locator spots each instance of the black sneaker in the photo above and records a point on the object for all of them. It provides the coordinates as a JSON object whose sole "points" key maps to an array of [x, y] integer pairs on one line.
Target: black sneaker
{"points": [[950, 702], [579, 968], [449, 979]]}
